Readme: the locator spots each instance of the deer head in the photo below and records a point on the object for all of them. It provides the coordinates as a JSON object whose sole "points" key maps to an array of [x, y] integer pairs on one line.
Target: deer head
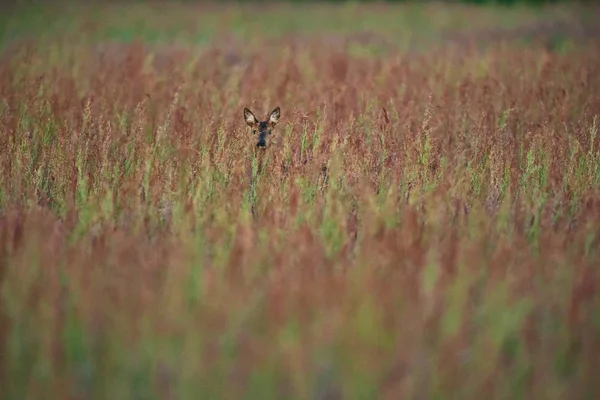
{"points": [[264, 128]]}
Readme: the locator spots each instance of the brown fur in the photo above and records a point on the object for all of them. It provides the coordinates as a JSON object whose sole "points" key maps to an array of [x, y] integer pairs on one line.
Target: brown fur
{"points": [[264, 128]]}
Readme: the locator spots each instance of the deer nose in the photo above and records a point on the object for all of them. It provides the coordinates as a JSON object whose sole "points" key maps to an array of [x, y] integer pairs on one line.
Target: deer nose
{"points": [[262, 140]]}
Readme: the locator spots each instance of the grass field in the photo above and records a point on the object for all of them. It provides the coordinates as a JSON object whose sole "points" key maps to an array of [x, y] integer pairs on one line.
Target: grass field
{"points": [[425, 223]]}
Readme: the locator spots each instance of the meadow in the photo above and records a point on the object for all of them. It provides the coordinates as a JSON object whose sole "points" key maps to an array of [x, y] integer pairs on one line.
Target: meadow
{"points": [[424, 224]]}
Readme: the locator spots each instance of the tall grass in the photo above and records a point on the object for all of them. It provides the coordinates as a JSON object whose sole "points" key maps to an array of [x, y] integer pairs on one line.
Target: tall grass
{"points": [[422, 226]]}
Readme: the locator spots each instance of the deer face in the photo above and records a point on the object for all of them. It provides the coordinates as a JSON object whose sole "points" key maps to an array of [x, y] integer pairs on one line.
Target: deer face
{"points": [[264, 128]]}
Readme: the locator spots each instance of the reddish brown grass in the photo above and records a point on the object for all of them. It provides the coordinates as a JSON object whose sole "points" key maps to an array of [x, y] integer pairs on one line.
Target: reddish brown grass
{"points": [[426, 224]]}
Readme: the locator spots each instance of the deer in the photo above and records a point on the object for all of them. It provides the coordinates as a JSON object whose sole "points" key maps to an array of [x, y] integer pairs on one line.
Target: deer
{"points": [[264, 128]]}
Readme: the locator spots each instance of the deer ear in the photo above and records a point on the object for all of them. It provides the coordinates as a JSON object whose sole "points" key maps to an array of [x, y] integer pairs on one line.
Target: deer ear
{"points": [[274, 117], [250, 118]]}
